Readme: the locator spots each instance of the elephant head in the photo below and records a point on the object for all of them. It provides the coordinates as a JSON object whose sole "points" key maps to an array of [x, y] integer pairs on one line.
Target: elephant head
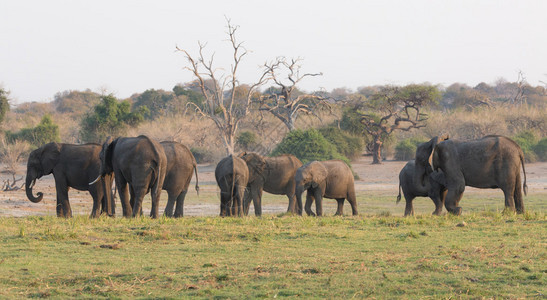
{"points": [[310, 175], [106, 158], [40, 162], [424, 157], [256, 164]]}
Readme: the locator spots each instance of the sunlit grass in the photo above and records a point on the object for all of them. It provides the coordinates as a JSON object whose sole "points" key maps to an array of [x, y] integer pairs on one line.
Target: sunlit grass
{"points": [[482, 254]]}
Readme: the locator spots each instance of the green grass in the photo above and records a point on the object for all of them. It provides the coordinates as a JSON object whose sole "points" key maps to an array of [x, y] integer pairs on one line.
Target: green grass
{"points": [[370, 256]]}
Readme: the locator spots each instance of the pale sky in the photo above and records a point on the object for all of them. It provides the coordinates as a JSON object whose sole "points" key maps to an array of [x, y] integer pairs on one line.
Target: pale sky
{"points": [[128, 46]]}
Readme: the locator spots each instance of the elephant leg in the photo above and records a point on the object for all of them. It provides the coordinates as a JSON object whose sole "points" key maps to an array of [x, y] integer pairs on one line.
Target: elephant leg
{"points": [[352, 201], [508, 188], [453, 196], [171, 199], [131, 196], [63, 206], [224, 204], [97, 195], [309, 200], [139, 196], [439, 203], [107, 200], [246, 202], [519, 200], [257, 201], [239, 198], [409, 207], [179, 209], [340, 209], [318, 195], [123, 192], [292, 203], [155, 193]]}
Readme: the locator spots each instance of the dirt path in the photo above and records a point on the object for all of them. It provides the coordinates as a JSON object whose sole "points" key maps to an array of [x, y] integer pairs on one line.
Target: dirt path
{"points": [[381, 180]]}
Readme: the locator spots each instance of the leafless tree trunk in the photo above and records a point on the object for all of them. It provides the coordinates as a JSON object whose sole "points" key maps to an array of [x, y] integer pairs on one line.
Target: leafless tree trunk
{"points": [[220, 91]]}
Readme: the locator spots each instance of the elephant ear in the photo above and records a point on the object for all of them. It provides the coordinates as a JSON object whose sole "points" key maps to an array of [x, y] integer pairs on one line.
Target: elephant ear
{"points": [[319, 174], [439, 154], [257, 165], [106, 155], [49, 157]]}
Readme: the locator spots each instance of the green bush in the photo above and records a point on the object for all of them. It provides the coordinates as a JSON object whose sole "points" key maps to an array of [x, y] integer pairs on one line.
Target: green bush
{"points": [[351, 122], [346, 144], [201, 155], [109, 117], [247, 140], [4, 104], [45, 132], [527, 140], [308, 145], [406, 149], [540, 149]]}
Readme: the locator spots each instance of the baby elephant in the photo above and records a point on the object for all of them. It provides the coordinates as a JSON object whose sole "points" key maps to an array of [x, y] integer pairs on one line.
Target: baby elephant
{"points": [[433, 187], [232, 175], [330, 179]]}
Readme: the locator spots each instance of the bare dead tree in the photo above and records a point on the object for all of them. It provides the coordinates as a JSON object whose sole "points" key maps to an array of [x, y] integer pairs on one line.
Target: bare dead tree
{"points": [[219, 91], [283, 104], [519, 97], [394, 108], [12, 154]]}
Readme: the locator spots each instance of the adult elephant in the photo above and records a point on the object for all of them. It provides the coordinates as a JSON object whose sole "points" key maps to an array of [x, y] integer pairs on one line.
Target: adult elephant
{"points": [[73, 166], [490, 162], [435, 188], [232, 176], [178, 173], [137, 162], [274, 175], [330, 179]]}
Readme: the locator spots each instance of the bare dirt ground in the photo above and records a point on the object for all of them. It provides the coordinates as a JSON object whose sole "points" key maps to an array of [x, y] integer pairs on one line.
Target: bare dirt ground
{"points": [[375, 181]]}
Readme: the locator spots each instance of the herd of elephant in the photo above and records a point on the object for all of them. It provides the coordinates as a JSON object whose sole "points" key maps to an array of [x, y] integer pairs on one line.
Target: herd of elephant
{"points": [[139, 165]]}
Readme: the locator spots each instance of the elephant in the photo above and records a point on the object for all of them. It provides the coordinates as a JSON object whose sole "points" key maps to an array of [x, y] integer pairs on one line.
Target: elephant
{"points": [[73, 166], [180, 165], [436, 188], [330, 179], [139, 162], [274, 175], [493, 161], [232, 176]]}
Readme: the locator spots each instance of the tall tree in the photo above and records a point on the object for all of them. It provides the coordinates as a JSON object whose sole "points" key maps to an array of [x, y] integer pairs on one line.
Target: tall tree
{"points": [[220, 91], [285, 103], [395, 108]]}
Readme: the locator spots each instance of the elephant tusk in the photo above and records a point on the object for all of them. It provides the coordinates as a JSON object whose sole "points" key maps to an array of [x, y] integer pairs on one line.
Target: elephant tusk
{"points": [[95, 181], [32, 183]]}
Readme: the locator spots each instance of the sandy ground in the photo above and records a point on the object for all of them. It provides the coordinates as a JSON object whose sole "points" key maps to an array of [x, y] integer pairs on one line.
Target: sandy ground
{"points": [[375, 180]]}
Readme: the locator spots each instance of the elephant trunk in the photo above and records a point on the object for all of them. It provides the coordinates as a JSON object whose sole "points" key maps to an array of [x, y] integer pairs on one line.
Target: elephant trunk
{"points": [[29, 184], [298, 205]]}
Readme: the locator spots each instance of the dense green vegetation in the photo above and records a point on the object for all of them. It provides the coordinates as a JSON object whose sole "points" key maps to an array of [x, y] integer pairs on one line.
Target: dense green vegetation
{"points": [[308, 145], [4, 104], [406, 149], [110, 117], [45, 132]]}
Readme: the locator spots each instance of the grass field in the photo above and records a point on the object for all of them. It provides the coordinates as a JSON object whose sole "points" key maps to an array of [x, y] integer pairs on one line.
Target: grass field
{"points": [[484, 253]]}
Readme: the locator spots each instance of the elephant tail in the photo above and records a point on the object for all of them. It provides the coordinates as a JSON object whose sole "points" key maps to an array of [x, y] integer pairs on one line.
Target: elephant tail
{"points": [[197, 179], [399, 196], [524, 186]]}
